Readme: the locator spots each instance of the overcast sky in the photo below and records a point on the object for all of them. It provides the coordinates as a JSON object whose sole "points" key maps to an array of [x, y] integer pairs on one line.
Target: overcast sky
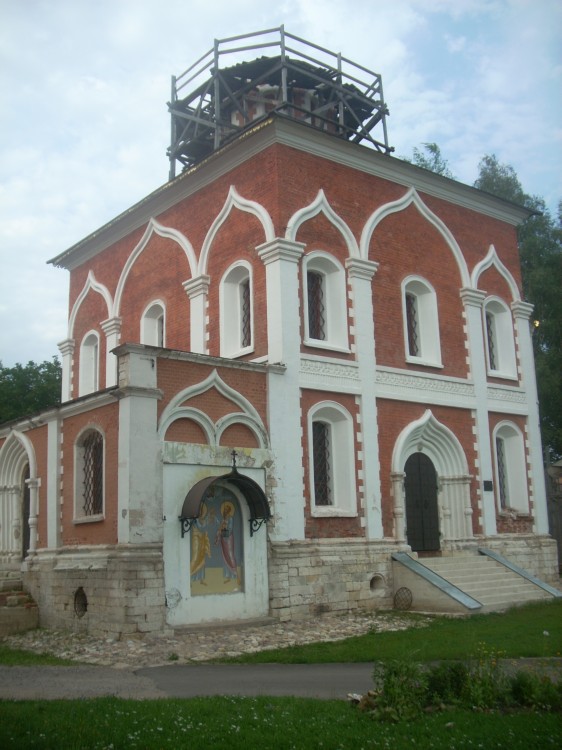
{"points": [[84, 124]]}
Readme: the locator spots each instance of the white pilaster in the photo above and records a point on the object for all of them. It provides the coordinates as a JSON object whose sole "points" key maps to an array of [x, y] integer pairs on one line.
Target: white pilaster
{"points": [[361, 273], [522, 312], [33, 484], [397, 480], [281, 258], [473, 301], [112, 329], [66, 349], [140, 504], [197, 290], [53, 484]]}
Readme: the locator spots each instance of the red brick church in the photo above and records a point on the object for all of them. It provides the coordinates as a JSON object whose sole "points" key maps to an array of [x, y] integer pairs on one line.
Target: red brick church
{"points": [[297, 360]]}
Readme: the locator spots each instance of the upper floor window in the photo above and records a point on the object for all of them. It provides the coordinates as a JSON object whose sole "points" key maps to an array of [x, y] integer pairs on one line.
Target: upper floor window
{"points": [[510, 463], [236, 311], [153, 326], [88, 381], [500, 346], [325, 302], [89, 475], [421, 322], [332, 461]]}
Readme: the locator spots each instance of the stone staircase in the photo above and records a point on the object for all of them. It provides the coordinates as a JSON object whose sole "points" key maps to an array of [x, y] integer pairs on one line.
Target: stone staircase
{"points": [[18, 611], [467, 582], [488, 581]]}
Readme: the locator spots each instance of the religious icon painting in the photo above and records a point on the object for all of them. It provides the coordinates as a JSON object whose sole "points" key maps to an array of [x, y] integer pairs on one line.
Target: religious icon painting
{"points": [[217, 551]]}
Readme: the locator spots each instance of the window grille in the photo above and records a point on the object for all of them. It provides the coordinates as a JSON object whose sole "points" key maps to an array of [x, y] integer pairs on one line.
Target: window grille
{"points": [[322, 463], [245, 314], [412, 324], [316, 306], [502, 474], [93, 474], [160, 330], [491, 332]]}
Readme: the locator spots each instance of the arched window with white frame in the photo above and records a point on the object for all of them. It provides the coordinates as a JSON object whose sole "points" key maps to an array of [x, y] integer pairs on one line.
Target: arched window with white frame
{"points": [[325, 309], [331, 461], [421, 322], [153, 325], [89, 475], [236, 311], [510, 468], [500, 344], [88, 381]]}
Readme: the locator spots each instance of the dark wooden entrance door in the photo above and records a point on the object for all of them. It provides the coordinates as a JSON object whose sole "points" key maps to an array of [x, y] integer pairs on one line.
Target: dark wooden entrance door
{"points": [[422, 517]]}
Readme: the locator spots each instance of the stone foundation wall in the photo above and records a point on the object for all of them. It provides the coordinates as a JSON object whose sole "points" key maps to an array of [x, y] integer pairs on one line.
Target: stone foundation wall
{"points": [[111, 591], [310, 578]]}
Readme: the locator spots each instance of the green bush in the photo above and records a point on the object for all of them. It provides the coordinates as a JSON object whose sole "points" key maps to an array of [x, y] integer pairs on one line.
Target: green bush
{"points": [[535, 691], [405, 689], [399, 693], [448, 682]]}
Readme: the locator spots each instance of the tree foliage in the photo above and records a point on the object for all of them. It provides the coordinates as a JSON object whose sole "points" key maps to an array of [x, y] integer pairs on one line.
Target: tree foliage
{"points": [[432, 159], [26, 389]]}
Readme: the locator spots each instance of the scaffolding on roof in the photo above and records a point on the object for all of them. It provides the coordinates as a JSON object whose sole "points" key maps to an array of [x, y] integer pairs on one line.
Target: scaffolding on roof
{"points": [[212, 103]]}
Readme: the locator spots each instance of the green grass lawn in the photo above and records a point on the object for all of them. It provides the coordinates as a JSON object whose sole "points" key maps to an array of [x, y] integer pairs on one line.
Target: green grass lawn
{"points": [[258, 723], [13, 656], [286, 723], [533, 630]]}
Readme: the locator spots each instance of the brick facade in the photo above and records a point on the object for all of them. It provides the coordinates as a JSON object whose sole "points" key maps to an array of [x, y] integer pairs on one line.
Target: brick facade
{"points": [[171, 416]]}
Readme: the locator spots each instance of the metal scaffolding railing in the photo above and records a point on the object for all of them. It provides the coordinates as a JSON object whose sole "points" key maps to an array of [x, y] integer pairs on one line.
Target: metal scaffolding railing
{"points": [[223, 93]]}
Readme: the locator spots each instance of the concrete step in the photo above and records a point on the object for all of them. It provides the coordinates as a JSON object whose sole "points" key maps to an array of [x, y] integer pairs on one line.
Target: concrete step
{"points": [[495, 586]]}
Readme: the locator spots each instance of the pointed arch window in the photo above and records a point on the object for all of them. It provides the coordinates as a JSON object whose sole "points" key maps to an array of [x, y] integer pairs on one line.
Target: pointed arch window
{"points": [[236, 311], [88, 381], [153, 325], [421, 322]]}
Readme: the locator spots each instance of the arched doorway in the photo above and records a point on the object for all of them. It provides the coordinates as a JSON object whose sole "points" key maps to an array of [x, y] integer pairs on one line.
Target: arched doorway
{"points": [[422, 514]]}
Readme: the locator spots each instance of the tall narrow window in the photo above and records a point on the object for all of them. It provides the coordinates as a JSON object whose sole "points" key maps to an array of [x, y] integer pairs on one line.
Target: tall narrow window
{"points": [[89, 364], [421, 322], [153, 328], [321, 460], [491, 335], [500, 342], [331, 453], [511, 468], [316, 306], [236, 311], [89, 475], [412, 324], [245, 314], [502, 476], [325, 303]]}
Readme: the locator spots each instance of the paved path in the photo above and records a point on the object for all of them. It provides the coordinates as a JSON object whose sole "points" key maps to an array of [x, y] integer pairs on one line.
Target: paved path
{"points": [[186, 681], [329, 681]]}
